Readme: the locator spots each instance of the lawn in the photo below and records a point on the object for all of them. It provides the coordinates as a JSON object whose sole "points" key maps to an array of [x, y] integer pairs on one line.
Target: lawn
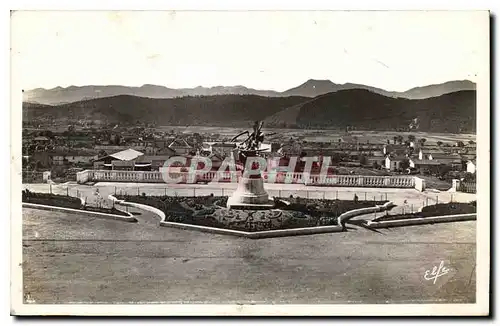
{"points": [[65, 202], [289, 213]]}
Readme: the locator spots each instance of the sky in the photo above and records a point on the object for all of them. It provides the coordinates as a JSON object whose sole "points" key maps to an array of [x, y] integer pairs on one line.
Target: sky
{"points": [[263, 50]]}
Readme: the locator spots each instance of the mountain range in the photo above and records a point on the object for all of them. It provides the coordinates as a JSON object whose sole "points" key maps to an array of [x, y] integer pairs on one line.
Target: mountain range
{"points": [[360, 108], [310, 88]]}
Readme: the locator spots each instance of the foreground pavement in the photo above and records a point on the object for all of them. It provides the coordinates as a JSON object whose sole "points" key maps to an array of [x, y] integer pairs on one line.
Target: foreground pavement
{"points": [[76, 259]]}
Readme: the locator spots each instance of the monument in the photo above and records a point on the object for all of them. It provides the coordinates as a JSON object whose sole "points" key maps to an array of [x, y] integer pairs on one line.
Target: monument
{"points": [[250, 193]]}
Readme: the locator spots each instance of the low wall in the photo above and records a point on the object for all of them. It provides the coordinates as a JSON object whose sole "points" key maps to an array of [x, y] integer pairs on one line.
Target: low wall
{"points": [[129, 218], [137, 205], [362, 211], [258, 234], [422, 220]]}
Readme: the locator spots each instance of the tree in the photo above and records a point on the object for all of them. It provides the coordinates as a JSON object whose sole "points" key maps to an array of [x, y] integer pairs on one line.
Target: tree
{"points": [[460, 143], [376, 165], [400, 139], [363, 160], [472, 142], [47, 133], [411, 138], [336, 158], [443, 170], [470, 177], [439, 143], [395, 139], [405, 164], [422, 141]]}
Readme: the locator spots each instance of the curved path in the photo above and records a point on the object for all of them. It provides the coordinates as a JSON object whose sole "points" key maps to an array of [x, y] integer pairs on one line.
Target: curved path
{"points": [[68, 258]]}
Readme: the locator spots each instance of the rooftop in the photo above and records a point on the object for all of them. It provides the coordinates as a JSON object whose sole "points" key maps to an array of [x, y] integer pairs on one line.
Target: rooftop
{"points": [[398, 157], [127, 155], [426, 162], [151, 158]]}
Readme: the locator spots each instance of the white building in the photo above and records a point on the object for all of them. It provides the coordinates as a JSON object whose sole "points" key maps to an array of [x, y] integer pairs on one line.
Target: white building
{"points": [[471, 166], [394, 163]]}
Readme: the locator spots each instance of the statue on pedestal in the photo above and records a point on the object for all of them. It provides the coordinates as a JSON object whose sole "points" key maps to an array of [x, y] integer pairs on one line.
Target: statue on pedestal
{"points": [[250, 193]]}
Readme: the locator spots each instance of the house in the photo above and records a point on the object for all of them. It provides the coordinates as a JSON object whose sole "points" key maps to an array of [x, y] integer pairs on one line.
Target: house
{"points": [[223, 148], [275, 147], [471, 166], [166, 151], [73, 157], [378, 153], [80, 140], [425, 165], [216, 160], [452, 159], [180, 146], [42, 158], [290, 149], [151, 162], [264, 148], [375, 160], [394, 149], [121, 165], [41, 140], [468, 154], [429, 153], [160, 143], [111, 148], [394, 163]]}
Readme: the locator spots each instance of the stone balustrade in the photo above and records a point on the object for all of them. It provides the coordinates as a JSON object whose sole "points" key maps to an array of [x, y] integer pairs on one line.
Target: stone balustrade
{"points": [[362, 181], [403, 181]]}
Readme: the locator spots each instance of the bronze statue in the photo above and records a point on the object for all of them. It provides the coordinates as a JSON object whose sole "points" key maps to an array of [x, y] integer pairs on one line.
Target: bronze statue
{"points": [[251, 145]]}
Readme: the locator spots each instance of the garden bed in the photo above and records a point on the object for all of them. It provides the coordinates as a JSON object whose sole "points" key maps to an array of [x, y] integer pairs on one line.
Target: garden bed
{"points": [[433, 210], [211, 211], [65, 202]]}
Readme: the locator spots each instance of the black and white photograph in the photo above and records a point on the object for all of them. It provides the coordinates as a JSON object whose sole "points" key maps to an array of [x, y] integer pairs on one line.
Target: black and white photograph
{"points": [[250, 162]]}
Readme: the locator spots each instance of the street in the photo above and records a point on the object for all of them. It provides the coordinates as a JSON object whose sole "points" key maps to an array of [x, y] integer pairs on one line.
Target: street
{"points": [[69, 258]]}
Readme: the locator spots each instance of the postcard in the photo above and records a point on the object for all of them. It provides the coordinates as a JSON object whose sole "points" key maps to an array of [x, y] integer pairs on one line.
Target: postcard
{"points": [[250, 163]]}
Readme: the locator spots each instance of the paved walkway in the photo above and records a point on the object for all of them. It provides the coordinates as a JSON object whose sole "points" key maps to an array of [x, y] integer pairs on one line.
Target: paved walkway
{"points": [[70, 258], [407, 200]]}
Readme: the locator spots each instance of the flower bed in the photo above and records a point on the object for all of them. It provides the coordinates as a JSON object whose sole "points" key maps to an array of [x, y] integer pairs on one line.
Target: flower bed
{"points": [[211, 211], [65, 202], [322, 207], [433, 210]]}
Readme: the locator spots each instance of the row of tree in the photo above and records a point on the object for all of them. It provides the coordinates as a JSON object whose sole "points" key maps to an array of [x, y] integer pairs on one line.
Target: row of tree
{"points": [[411, 138]]}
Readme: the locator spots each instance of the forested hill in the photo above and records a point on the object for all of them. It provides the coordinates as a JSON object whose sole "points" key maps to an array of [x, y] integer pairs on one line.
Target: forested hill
{"points": [[362, 109]]}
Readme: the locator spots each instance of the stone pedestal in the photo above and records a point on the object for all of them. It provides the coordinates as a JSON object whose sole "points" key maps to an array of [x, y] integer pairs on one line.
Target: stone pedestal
{"points": [[250, 194]]}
